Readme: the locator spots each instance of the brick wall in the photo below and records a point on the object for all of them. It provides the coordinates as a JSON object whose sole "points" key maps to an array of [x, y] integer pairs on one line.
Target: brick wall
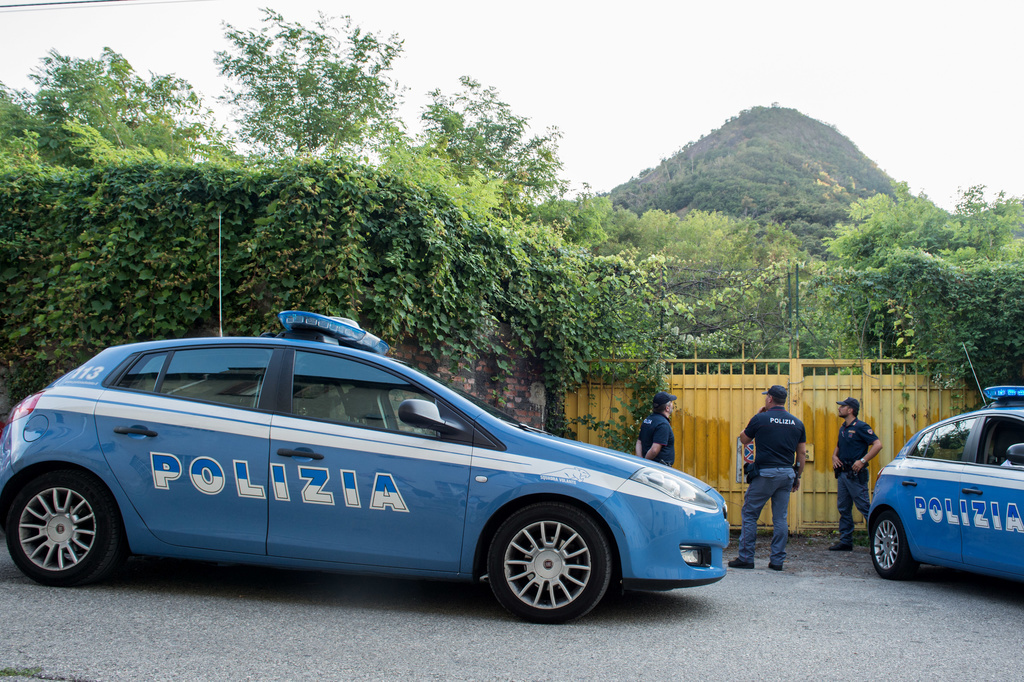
{"points": [[520, 394]]}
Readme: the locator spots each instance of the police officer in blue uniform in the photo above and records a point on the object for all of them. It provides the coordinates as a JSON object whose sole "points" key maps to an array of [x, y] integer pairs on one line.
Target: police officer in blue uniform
{"points": [[778, 435], [656, 439], [857, 445]]}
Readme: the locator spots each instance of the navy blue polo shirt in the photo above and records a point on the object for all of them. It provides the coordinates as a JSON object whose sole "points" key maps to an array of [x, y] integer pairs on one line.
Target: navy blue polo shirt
{"points": [[854, 440], [776, 434], [657, 429]]}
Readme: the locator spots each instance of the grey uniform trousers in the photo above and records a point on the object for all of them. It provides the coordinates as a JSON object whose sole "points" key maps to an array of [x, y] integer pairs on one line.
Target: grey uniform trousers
{"points": [[850, 493], [775, 485]]}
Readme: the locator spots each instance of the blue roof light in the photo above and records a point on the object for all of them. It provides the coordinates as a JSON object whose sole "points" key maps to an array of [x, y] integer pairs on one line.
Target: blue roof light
{"points": [[346, 331], [1004, 393]]}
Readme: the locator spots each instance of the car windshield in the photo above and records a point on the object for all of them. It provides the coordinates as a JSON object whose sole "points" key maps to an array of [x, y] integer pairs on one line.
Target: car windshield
{"points": [[490, 409]]}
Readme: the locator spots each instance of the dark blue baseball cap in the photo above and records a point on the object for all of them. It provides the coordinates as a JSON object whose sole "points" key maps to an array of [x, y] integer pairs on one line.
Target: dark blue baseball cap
{"points": [[851, 402], [660, 398], [777, 392]]}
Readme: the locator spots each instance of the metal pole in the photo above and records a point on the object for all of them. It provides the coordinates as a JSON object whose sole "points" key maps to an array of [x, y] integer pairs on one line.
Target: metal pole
{"points": [[789, 309], [796, 308], [220, 281]]}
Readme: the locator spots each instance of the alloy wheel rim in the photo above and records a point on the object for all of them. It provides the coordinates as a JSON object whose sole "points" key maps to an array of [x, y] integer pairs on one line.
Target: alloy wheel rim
{"points": [[886, 544], [57, 529], [547, 565]]}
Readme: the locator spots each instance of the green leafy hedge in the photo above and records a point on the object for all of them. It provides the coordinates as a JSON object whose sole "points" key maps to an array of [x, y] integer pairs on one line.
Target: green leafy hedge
{"points": [[924, 307], [124, 253]]}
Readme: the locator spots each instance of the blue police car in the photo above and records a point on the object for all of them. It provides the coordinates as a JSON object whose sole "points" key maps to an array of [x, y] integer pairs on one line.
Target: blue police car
{"points": [[313, 450], [954, 494]]}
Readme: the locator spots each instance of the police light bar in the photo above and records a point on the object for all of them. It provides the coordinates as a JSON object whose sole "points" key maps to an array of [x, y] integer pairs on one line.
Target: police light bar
{"points": [[1004, 393], [347, 332]]}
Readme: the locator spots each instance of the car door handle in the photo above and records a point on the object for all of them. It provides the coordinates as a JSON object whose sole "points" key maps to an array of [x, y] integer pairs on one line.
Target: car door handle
{"points": [[910, 484], [286, 452], [135, 431], [971, 491]]}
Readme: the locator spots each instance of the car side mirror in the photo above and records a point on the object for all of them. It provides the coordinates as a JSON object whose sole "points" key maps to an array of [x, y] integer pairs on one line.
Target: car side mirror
{"points": [[1015, 453], [424, 414]]}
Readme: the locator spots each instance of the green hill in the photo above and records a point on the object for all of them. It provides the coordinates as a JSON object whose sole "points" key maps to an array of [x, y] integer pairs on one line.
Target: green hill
{"points": [[770, 164]]}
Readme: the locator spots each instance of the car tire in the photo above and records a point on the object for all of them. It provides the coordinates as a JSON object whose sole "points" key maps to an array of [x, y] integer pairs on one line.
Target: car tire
{"points": [[64, 529], [890, 552], [549, 563]]}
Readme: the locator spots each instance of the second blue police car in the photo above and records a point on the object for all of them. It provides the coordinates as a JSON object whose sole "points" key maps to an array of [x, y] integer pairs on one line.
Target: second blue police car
{"points": [[954, 494], [313, 450]]}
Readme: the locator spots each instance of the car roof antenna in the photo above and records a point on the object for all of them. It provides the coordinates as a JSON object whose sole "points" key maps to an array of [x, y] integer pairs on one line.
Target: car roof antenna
{"points": [[980, 392], [220, 277]]}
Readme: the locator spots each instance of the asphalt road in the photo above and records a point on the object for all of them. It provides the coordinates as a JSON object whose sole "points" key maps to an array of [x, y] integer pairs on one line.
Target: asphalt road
{"points": [[825, 617]]}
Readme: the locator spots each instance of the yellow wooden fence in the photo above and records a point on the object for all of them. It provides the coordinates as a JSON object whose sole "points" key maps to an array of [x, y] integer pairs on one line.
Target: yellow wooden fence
{"points": [[718, 397]]}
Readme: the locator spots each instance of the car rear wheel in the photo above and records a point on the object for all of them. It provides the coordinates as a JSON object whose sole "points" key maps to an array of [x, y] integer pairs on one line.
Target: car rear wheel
{"points": [[889, 550], [64, 529], [549, 563]]}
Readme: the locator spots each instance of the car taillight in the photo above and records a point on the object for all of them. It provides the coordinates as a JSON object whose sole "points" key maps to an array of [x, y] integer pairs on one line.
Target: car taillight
{"points": [[24, 408]]}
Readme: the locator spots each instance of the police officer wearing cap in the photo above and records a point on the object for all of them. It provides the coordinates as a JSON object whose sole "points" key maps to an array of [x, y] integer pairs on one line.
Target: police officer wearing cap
{"points": [[778, 435], [656, 440], [857, 446]]}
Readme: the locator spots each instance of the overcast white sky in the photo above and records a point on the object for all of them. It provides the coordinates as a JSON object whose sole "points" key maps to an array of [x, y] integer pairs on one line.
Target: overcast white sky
{"points": [[929, 90]]}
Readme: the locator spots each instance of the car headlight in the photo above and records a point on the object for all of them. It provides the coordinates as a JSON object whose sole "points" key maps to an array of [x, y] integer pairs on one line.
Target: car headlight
{"points": [[675, 487]]}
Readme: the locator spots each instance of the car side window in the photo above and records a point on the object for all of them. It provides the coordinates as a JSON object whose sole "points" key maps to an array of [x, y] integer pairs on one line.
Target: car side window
{"points": [[341, 390], [143, 375], [233, 376], [947, 442], [922, 446], [1000, 434]]}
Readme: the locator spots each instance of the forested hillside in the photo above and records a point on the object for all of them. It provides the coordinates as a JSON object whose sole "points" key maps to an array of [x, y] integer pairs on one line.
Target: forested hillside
{"points": [[773, 165]]}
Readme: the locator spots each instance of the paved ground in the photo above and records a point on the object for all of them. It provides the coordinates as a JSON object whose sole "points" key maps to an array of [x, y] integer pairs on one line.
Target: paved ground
{"points": [[827, 616]]}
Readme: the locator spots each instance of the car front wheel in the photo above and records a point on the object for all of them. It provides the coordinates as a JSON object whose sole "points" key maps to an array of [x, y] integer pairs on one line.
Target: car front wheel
{"points": [[889, 550], [64, 529], [549, 563]]}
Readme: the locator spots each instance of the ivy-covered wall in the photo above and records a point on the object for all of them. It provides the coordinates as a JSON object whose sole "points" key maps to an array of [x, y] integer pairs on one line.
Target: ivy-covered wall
{"points": [[115, 254]]}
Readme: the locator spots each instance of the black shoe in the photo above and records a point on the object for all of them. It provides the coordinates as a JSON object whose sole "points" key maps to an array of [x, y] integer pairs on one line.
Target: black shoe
{"points": [[736, 563], [775, 567], [840, 547]]}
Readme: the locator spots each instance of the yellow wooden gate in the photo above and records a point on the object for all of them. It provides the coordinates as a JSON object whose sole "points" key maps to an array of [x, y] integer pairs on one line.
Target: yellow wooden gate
{"points": [[718, 397]]}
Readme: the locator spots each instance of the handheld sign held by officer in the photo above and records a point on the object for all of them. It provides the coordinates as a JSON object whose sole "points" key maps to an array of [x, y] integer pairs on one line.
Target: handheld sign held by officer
{"points": [[778, 436], [656, 441]]}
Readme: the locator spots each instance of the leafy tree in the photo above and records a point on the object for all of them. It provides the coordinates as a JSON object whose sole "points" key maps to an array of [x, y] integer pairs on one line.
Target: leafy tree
{"points": [[478, 196], [480, 134], [580, 220], [18, 132], [305, 90], [162, 115], [884, 224], [985, 226]]}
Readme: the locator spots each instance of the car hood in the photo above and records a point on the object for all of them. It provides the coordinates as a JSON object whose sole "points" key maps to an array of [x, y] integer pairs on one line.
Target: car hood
{"points": [[576, 453]]}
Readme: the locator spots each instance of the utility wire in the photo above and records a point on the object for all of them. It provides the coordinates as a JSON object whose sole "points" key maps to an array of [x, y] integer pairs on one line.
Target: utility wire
{"points": [[57, 3], [54, 4]]}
